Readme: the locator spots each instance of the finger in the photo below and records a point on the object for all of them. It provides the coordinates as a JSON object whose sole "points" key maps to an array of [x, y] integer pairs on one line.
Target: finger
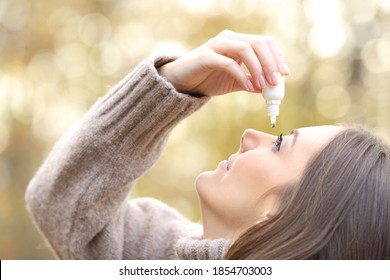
{"points": [[231, 67], [269, 55], [278, 56], [257, 90], [240, 51], [267, 60], [238, 87]]}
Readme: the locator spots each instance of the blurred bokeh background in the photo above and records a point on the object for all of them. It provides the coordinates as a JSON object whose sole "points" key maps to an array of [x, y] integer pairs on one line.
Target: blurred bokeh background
{"points": [[57, 57]]}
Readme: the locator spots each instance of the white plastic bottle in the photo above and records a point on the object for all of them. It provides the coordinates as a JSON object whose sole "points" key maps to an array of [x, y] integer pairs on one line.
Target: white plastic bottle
{"points": [[273, 96]]}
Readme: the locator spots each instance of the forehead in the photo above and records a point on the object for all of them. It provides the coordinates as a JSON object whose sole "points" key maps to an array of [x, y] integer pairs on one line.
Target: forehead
{"points": [[317, 135]]}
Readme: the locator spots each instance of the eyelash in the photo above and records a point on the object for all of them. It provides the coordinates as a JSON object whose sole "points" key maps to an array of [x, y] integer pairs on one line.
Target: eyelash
{"points": [[278, 142]]}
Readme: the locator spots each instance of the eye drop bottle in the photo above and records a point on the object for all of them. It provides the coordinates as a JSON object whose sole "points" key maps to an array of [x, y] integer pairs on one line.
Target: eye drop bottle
{"points": [[273, 96]]}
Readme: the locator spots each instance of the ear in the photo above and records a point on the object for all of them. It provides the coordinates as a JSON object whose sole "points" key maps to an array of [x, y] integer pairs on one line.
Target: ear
{"points": [[266, 216], [268, 206]]}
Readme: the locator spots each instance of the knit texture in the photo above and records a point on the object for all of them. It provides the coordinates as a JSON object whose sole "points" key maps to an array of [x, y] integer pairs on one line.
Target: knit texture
{"points": [[79, 197], [197, 248]]}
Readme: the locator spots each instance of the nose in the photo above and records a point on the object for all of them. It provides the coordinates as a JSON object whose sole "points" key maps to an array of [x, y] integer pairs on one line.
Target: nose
{"points": [[252, 139]]}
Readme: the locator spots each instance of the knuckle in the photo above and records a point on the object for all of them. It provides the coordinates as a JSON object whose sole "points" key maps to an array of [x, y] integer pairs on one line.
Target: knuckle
{"points": [[263, 41], [228, 63], [225, 33], [259, 42], [211, 42], [243, 47]]}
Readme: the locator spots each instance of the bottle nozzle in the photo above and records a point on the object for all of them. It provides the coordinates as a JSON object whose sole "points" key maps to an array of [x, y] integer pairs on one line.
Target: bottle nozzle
{"points": [[273, 96], [273, 121]]}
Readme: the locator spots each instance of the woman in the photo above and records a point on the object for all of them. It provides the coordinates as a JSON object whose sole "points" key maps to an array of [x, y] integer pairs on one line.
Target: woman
{"points": [[320, 192]]}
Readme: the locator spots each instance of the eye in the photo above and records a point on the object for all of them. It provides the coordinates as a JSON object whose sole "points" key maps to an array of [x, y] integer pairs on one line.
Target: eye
{"points": [[278, 142]]}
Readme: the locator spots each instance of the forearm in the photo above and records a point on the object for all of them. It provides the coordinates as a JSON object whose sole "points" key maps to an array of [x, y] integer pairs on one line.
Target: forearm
{"points": [[90, 171]]}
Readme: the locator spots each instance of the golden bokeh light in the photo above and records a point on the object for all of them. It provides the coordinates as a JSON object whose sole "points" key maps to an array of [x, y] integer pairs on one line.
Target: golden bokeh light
{"points": [[58, 57]]}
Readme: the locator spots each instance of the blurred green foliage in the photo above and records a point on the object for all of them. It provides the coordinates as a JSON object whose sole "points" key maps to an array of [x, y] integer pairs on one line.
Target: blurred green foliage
{"points": [[57, 57]]}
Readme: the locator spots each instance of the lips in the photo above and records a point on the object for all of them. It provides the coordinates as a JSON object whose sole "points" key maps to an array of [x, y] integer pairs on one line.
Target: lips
{"points": [[231, 160], [224, 165]]}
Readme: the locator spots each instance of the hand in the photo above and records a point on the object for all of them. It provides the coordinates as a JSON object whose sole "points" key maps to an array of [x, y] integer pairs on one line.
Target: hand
{"points": [[216, 67]]}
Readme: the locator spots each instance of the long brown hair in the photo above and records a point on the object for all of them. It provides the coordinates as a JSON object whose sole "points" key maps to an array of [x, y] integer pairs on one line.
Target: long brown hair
{"points": [[339, 209]]}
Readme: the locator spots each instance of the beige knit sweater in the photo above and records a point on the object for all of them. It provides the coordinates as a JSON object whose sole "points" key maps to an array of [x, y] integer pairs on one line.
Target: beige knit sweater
{"points": [[79, 196]]}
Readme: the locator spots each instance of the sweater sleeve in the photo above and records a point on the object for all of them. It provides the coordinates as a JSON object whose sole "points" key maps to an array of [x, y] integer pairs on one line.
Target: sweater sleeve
{"points": [[79, 196]]}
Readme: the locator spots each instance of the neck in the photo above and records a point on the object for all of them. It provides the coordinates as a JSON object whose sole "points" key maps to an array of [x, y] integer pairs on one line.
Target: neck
{"points": [[213, 228]]}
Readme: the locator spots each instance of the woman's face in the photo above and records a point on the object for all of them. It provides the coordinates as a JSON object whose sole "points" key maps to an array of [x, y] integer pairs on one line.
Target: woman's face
{"points": [[234, 196]]}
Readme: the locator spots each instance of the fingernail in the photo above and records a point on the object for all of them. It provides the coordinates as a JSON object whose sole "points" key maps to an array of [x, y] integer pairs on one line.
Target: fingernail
{"points": [[285, 68], [275, 78], [249, 86], [262, 82]]}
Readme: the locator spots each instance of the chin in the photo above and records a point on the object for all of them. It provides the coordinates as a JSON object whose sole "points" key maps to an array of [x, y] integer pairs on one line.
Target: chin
{"points": [[202, 180]]}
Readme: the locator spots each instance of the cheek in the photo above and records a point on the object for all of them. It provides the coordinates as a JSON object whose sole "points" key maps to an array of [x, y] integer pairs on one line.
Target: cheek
{"points": [[249, 180], [254, 175]]}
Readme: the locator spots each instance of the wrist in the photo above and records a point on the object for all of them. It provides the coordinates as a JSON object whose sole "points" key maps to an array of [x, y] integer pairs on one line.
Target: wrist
{"points": [[163, 71], [168, 72]]}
